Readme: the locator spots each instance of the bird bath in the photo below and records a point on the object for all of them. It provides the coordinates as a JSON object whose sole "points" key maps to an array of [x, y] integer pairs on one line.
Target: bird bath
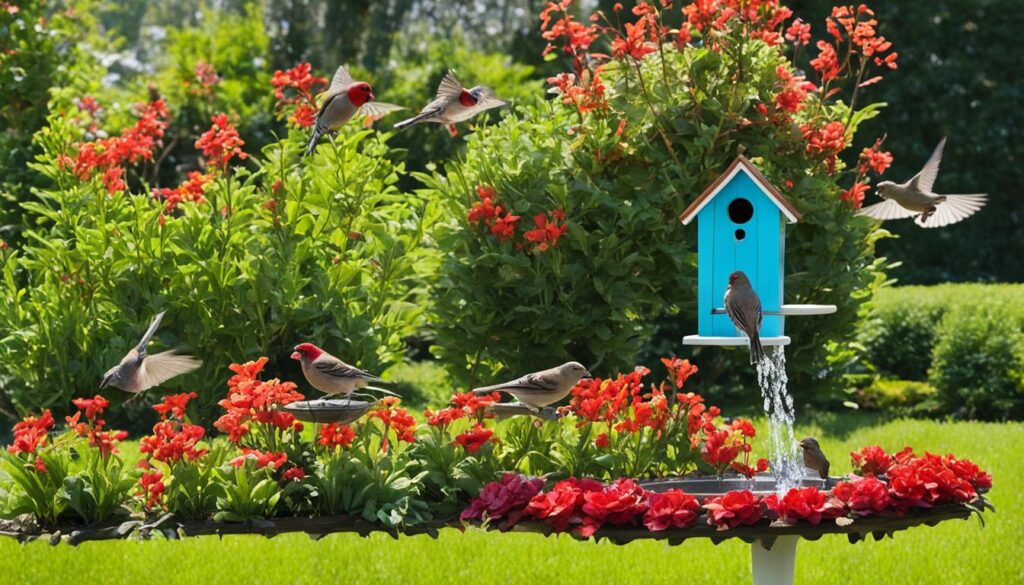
{"points": [[341, 411]]}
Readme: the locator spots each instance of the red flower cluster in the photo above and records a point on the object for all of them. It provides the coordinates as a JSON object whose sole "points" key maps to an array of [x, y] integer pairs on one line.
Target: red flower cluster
{"points": [[826, 141], [809, 503], [191, 190], [547, 230], [173, 439], [923, 482], [855, 194], [253, 401], [641, 39], [597, 400], [577, 36], [221, 142], [301, 80], [722, 447], [679, 370], [671, 509], [857, 27], [872, 460], [151, 487], [474, 405], [799, 33], [397, 419], [294, 474], [444, 417], [474, 438], [503, 500], [618, 504], [793, 90], [759, 19], [501, 221], [562, 507], [874, 159], [586, 91], [31, 433], [734, 509], [864, 496], [336, 435], [107, 156], [206, 78], [101, 440], [263, 459]]}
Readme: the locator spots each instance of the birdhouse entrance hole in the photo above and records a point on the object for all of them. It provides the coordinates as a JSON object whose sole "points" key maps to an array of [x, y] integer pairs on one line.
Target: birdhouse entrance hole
{"points": [[740, 234], [740, 212]]}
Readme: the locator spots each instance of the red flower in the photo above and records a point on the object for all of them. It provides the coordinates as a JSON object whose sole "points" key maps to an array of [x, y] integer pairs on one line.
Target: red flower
{"points": [[827, 62], [597, 400], [826, 141], [504, 227], [872, 460], [967, 470], [484, 209], [733, 509], [807, 503], [221, 142], [721, 448], [638, 42], [855, 194], [673, 508], [263, 459], [39, 465], [107, 156], [874, 159], [749, 471], [191, 190], [31, 433], [443, 417], [301, 80], [335, 435], [617, 504], [103, 441], [206, 75], [294, 474], [601, 442], [395, 419], [504, 500], [473, 404], [172, 441], [251, 400], [923, 482], [151, 488], [799, 33], [547, 232], [174, 404], [864, 496], [93, 407], [679, 370], [562, 506], [474, 438]]}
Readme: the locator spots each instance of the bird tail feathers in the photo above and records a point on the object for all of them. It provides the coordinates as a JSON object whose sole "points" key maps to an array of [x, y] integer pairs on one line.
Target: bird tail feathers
{"points": [[756, 351], [150, 332], [408, 122], [313, 140]]}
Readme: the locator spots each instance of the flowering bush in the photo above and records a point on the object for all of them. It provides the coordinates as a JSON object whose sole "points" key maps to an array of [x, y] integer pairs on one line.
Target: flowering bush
{"points": [[647, 116]]}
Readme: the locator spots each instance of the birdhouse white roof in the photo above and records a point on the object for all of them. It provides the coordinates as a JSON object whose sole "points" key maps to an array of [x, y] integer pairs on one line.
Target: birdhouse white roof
{"points": [[741, 165]]}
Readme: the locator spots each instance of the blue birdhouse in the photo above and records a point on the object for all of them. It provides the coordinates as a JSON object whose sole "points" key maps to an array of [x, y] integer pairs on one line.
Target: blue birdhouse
{"points": [[741, 225]]}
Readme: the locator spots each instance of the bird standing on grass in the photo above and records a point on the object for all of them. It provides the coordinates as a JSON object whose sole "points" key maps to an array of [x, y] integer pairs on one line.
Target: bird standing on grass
{"points": [[915, 198], [744, 309], [454, 103], [814, 458], [346, 98], [330, 375], [543, 388], [138, 371]]}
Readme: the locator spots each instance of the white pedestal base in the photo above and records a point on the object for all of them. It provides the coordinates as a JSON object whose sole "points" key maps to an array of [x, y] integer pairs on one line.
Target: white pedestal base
{"points": [[775, 566]]}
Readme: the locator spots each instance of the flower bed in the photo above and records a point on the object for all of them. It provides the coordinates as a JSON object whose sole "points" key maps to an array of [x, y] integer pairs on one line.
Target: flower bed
{"points": [[269, 473]]}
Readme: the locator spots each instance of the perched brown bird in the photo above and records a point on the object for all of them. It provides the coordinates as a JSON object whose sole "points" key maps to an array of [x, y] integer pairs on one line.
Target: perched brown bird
{"points": [[744, 309], [814, 458], [330, 375], [543, 388]]}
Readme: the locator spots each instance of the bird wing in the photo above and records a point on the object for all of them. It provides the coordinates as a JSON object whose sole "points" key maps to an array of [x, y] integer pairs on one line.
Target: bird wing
{"points": [[449, 88], [141, 347], [341, 80], [377, 110], [741, 320], [955, 208], [535, 384], [157, 369], [885, 210], [925, 180], [339, 369]]}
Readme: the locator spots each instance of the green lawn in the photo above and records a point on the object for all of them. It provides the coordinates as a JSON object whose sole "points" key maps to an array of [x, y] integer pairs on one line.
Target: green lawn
{"points": [[954, 552]]}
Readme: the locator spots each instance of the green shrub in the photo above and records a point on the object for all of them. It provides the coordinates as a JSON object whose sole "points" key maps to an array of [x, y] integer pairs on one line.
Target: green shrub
{"points": [[324, 248], [899, 398], [978, 361], [622, 163]]}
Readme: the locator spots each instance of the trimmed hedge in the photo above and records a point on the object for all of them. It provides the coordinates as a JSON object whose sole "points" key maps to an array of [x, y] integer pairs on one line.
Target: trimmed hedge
{"points": [[966, 340]]}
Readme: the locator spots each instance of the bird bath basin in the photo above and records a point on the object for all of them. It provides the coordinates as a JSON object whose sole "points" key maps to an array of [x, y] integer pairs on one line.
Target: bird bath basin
{"points": [[703, 487], [341, 411]]}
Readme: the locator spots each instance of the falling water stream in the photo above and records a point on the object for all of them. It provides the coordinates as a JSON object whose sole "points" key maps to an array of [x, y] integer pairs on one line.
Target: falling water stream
{"points": [[786, 462]]}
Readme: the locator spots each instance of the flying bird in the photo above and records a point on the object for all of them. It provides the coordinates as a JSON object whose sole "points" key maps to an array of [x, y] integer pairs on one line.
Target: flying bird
{"points": [[139, 371], [814, 458], [744, 309], [330, 375], [454, 103], [342, 100], [915, 198], [540, 389]]}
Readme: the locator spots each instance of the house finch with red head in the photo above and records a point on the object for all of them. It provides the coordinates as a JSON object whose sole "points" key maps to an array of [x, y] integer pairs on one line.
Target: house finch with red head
{"points": [[744, 309], [814, 458], [454, 103], [915, 198], [342, 100], [329, 374], [540, 389], [138, 371]]}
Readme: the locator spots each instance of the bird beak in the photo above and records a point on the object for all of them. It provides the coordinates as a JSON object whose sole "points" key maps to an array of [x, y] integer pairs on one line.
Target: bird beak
{"points": [[105, 381], [587, 376], [372, 97], [296, 355]]}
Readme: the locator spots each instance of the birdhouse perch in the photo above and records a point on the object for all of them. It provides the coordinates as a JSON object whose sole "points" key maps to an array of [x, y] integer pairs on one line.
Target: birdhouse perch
{"points": [[741, 221]]}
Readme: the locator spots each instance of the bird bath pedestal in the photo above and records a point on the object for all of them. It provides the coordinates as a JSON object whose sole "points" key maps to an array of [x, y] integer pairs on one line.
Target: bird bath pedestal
{"points": [[775, 565]]}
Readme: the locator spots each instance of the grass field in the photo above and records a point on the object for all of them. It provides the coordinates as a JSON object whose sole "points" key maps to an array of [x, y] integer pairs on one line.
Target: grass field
{"points": [[954, 552]]}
